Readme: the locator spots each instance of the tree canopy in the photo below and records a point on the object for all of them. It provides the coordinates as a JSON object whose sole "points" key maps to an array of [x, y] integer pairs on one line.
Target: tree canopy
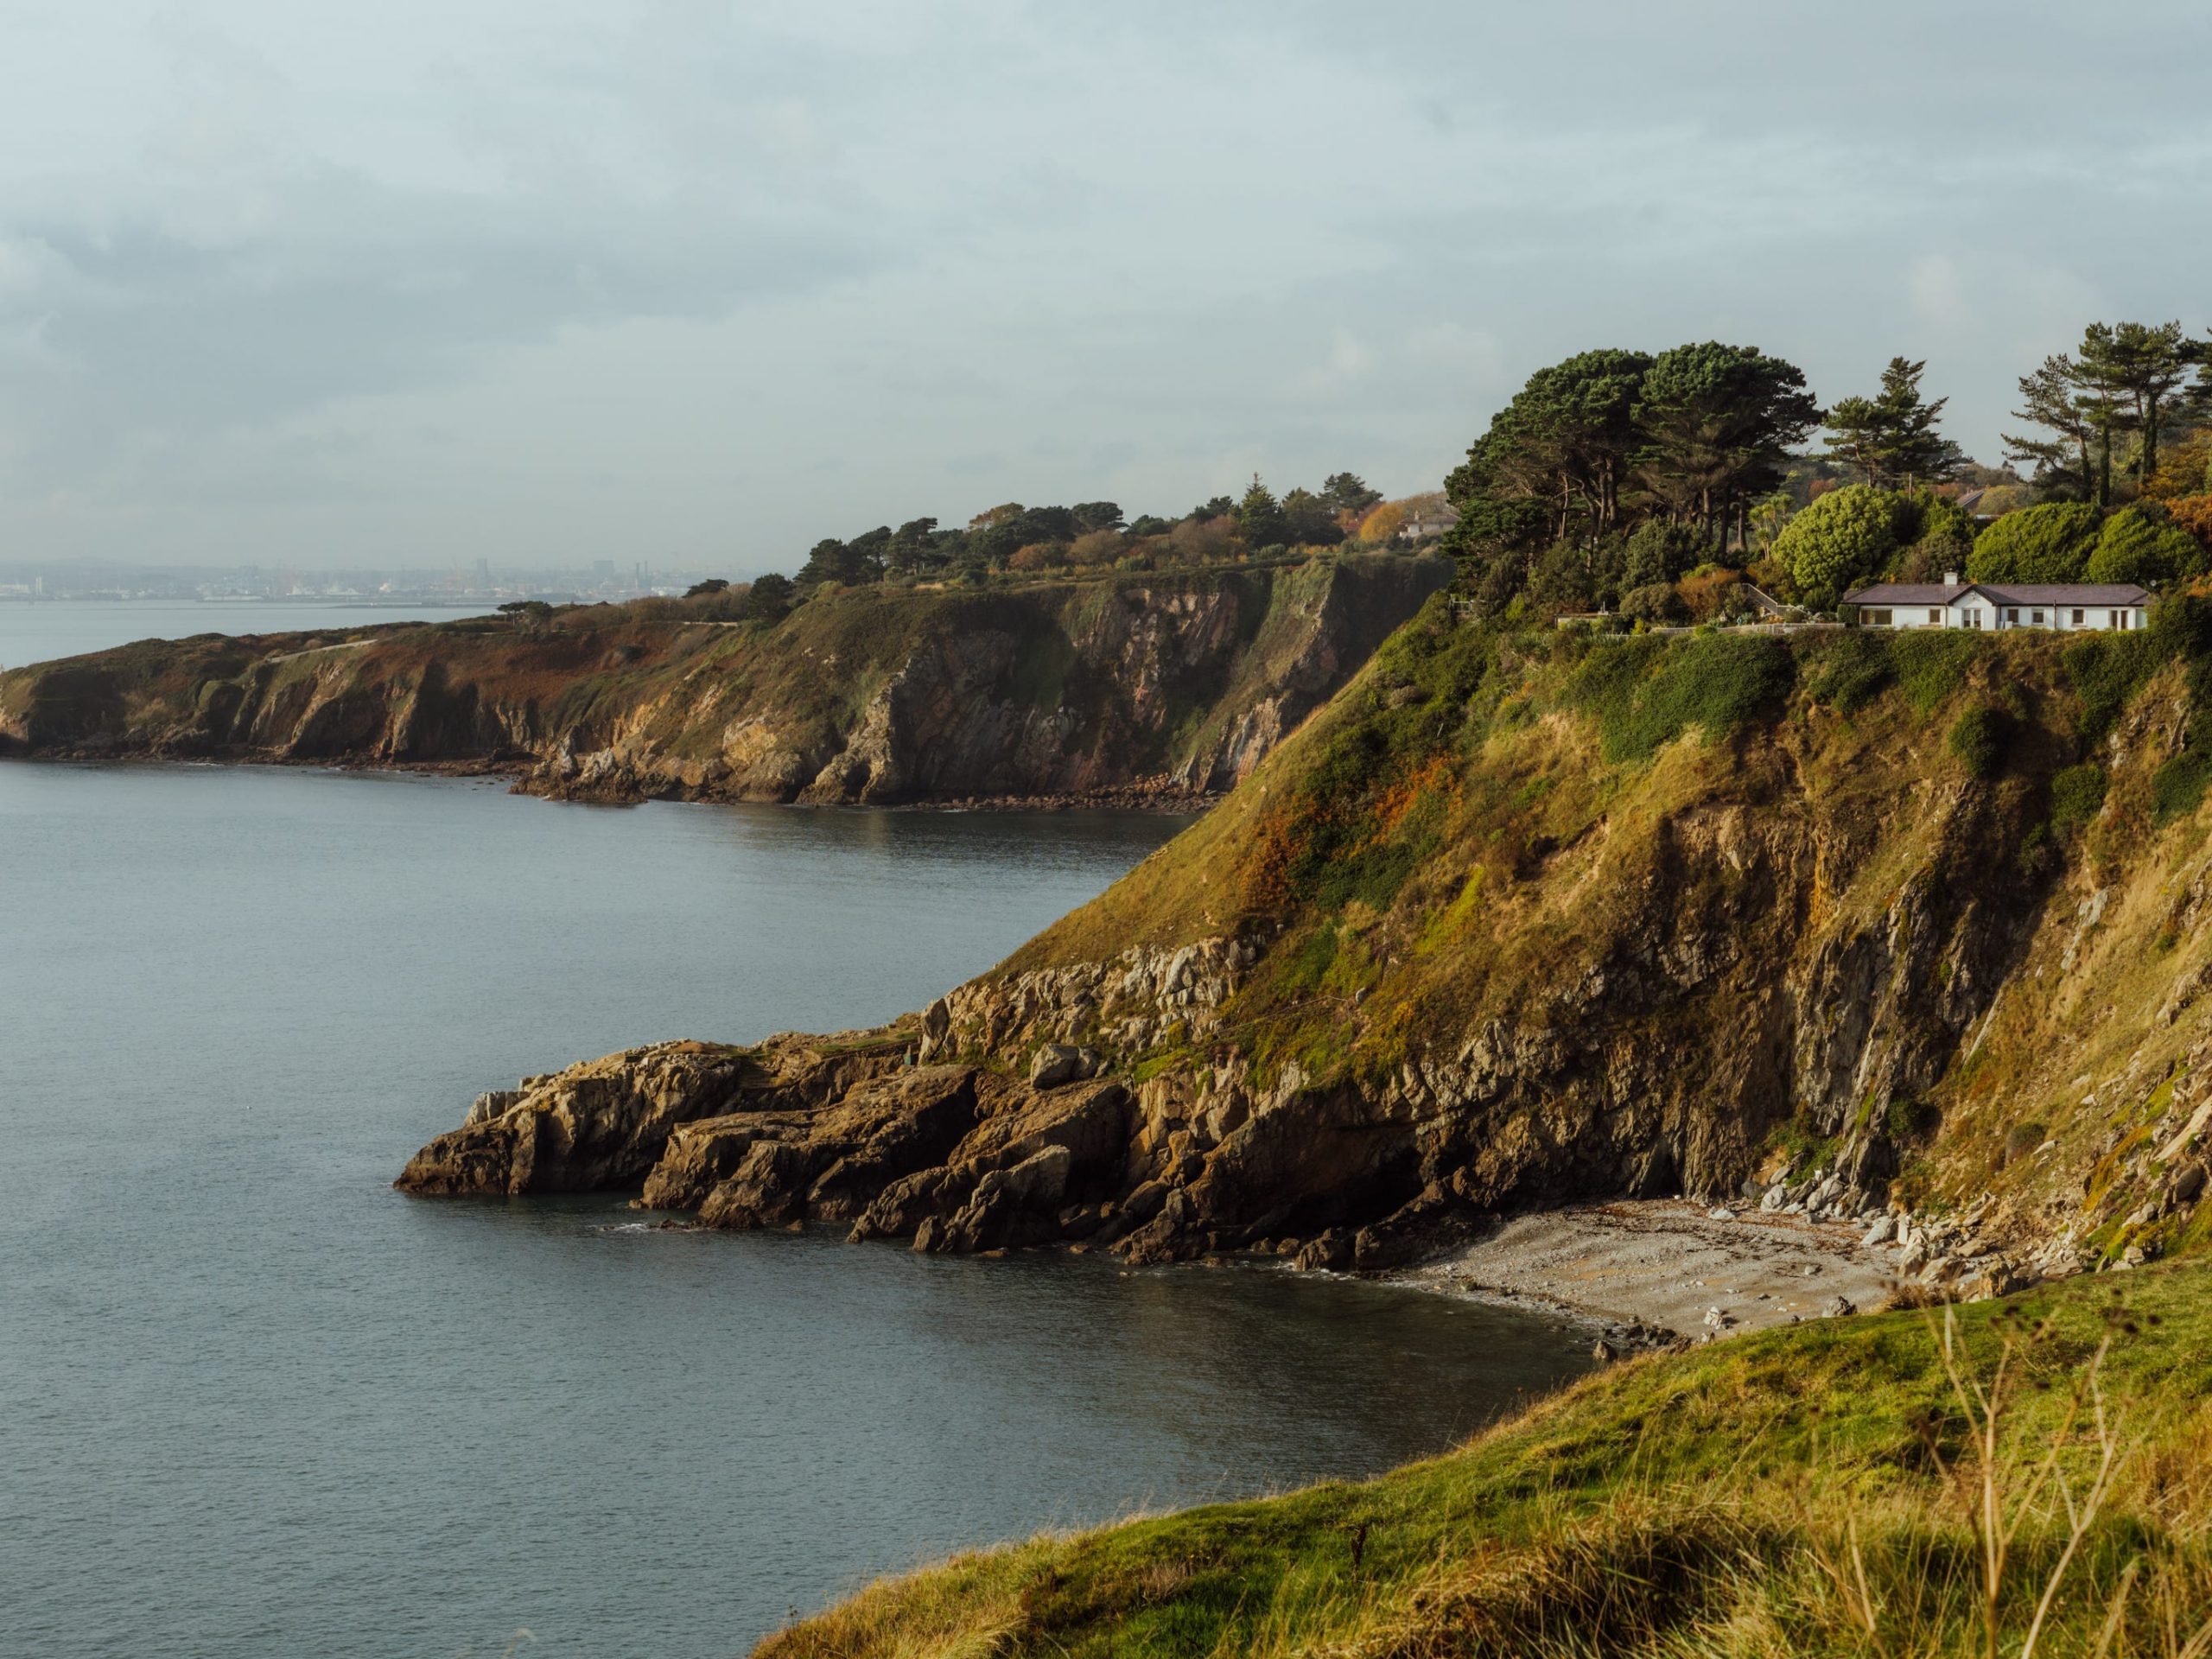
{"points": [[1843, 539], [2046, 544], [1890, 439]]}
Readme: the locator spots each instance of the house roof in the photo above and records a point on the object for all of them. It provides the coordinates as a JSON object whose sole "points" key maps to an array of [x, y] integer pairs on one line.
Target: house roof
{"points": [[2066, 593], [1905, 593], [2001, 592]]}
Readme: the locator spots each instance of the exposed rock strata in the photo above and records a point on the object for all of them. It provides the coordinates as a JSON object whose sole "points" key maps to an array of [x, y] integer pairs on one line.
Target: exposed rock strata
{"points": [[1813, 967], [1140, 689]]}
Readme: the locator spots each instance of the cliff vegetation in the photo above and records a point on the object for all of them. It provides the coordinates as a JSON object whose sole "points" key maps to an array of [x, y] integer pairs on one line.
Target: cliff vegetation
{"points": [[1107, 684]]}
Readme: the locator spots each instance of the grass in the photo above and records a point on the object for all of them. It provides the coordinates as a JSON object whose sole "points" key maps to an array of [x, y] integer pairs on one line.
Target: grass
{"points": [[1645, 693], [2024, 1478]]}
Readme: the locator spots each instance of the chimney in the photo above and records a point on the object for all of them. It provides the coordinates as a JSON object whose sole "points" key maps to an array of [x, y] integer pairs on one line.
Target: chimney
{"points": [[1950, 578]]}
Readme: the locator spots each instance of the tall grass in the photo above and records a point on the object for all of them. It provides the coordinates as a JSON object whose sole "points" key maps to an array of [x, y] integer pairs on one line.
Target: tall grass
{"points": [[2034, 1506]]}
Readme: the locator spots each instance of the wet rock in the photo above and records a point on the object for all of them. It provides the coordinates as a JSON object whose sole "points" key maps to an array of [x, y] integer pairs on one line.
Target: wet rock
{"points": [[1331, 1253]]}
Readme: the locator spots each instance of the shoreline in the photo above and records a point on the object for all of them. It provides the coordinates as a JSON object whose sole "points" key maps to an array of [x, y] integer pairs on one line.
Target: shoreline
{"points": [[1659, 1272], [1135, 798]]}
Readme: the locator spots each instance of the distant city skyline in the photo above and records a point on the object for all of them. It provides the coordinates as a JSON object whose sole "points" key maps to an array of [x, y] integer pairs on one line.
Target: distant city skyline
{"points": [[559, 281]]}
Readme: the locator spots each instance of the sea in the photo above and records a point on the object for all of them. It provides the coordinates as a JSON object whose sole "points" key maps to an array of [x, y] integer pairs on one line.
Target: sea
{"points": [[37, 631], [255, 1402]]}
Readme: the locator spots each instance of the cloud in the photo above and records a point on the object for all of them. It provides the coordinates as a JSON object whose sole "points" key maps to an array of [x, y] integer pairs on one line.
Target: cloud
{"points": [[708, 281]]}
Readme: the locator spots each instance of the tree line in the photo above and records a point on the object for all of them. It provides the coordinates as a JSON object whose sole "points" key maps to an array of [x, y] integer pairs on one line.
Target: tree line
{"points": [[1025, 540], [1611, 477]]}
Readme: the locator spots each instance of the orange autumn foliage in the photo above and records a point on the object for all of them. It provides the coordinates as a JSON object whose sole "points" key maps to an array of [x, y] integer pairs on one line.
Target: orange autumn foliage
{"points": [[2194, 514]]}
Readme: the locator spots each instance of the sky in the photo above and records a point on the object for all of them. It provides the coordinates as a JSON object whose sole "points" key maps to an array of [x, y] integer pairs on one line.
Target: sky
{"points": [[542, 282]]}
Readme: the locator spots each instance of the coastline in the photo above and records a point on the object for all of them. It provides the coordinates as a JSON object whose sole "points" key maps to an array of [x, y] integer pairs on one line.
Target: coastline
{"points": [[1141, 797]]}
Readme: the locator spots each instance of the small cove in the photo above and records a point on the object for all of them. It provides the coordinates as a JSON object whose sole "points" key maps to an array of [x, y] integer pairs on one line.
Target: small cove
{"points": [[257, 1404]]}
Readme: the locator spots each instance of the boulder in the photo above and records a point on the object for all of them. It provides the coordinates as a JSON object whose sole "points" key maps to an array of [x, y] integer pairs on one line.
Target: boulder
{"points": [[768, 1188], [1054, 1065]]}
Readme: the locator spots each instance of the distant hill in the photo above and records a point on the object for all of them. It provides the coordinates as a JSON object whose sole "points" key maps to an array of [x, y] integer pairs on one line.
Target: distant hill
{"points": [[1110, 686]]}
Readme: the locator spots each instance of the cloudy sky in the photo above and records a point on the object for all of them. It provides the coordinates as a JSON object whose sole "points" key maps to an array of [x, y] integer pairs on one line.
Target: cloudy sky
{"points": [[545, 281]]}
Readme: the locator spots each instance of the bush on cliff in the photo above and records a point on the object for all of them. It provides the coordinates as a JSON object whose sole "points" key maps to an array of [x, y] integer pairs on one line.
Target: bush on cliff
{"points": [[1646, 693], [1977, 738]]}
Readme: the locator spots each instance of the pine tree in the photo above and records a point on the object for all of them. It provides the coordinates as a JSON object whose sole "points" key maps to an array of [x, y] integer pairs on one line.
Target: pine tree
{"points": [[1261, 516], [1890, 439]]}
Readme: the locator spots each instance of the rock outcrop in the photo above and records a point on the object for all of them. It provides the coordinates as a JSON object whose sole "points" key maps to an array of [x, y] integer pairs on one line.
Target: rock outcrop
{"points": [[1120, 689], [1440, 958]]}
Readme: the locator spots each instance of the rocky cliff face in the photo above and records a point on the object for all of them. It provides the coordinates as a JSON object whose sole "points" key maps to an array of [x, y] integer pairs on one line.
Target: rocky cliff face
{"points": [[1522, 921], [1125, 684]]}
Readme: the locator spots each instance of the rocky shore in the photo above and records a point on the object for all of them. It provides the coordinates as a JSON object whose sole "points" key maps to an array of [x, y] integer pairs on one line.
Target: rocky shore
{"points": [[1123, 689], [1666, 1272]]}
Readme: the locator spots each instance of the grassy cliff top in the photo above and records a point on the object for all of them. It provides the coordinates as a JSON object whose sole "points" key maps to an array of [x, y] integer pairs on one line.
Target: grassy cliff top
{"points": [[1986, 850], [1811, 1491]]}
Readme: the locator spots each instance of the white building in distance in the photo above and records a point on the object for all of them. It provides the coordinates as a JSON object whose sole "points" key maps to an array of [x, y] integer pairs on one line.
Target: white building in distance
{"points": [[2065, 606]]}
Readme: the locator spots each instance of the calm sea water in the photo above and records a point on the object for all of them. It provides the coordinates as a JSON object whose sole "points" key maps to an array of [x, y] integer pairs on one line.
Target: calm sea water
{"points": [[37, 632], [254, 1403]]}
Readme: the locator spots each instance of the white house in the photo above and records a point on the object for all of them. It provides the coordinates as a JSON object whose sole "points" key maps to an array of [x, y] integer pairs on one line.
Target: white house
{"points": [[2066, 605]]}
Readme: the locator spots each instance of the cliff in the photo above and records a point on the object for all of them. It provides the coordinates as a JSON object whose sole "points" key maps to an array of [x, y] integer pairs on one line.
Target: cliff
{"points": [[1520, 918], [1118, 684]]}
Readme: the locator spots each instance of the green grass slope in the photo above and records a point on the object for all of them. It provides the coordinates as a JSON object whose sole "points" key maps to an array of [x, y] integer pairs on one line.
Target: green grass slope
{"points": [[1830, 1489], [1751, 899]]}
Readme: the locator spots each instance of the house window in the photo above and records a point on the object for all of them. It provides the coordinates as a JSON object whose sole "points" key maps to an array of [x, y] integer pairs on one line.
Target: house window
{"points": [[2036, 617], [1935, 616], [2012, 616], [1879, 618], [2077, 618], [2119, 620]]}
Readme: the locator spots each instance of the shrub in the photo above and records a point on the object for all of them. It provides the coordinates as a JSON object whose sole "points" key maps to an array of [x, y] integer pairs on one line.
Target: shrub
{"points": [[2138, 544], [1908, 1119], [1978, 739], [2193, 513], [1939, 535], [1645, 693], [1712, 593], [1844, 538], [1659, 552], [2078, 794], [1932, 663], [1653, 602], [1095, 547], [1560, 580], [2108, 669], [2051, 543], [1852, 671], [2177, 787]]}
